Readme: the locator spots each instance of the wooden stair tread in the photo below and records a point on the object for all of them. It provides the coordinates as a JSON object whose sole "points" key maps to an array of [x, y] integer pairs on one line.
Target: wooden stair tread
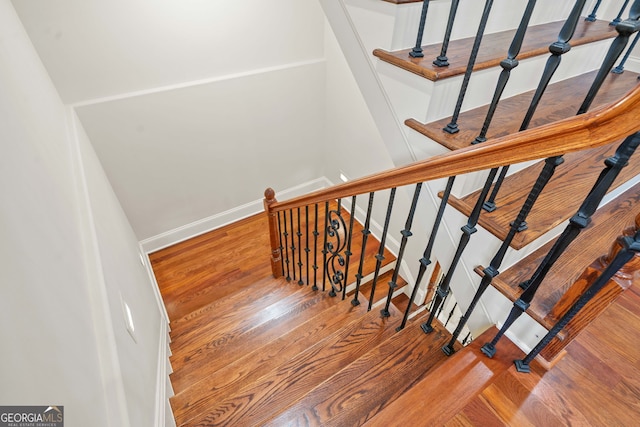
{"points": [[263, 399], [209, 350], [561, 100], [463, 375], [256, 359], [363, 388], [493, 49], [571, 182], [607, 224]]}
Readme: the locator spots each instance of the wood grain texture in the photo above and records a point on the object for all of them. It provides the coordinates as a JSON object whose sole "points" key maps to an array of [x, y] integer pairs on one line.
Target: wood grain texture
{"points": [[257, 359], [561, 100], [607, 223], [493, 49], [571, 183], [360, 390], [463, 376], [292, 380]]}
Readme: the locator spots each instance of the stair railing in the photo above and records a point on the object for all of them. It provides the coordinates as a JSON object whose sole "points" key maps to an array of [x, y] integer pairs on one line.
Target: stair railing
{"points": [[592, 129], [617, 46]]}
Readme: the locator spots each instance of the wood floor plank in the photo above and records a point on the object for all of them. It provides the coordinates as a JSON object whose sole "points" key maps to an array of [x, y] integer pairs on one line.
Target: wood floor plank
{"points": [[209, 353], [360, 390], [242, 370], [463, 376], [292, 380]]}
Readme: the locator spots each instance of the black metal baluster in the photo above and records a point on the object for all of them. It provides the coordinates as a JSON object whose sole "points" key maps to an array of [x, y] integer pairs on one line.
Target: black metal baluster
{"points": [[280, 237], [442, 60], [315, 250], [299, 234], [619, 69], [630, 246], [324, 246], [426, 256], [365, 235], [337, 231], [491, 271], [467, 231], [618, 18], [444, 302], [592, 15], [286, 248], [348, 252], [467, 339], [508, 64], [624, 29], [450, 314], [380, 254], [416, 52], [452, 126], [557, 49], [306, 248], [406, 233], [576, 224], [293, 245]]}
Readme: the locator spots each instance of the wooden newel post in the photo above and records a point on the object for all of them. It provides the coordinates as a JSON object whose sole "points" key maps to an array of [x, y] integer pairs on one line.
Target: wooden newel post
{"points": [[272, 217]]}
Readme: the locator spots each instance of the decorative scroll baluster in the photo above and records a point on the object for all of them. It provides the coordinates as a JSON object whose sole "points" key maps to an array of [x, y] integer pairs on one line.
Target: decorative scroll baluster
{"points": [[365, 235], [557, 49], [618, 18], [348, 252], [624, 29], [324, 246], [508, 64], [442, 60], [592, 15], [467, 231], [452, 127], [426, 256], [293, 245], [299, 234], [306, 247], [380, 254], [315, 249], [406, 233], [619, 69], [337, 231], [631, 246], [576, 224], [416, 52], [491, 272]]}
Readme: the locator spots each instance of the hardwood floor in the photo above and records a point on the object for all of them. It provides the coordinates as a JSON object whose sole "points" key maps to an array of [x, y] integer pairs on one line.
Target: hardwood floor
{"points": [[250, 350]]}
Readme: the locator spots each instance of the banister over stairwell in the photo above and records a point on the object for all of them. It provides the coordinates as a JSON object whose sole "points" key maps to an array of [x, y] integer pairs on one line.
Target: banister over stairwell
{"points": [[603, 125]]}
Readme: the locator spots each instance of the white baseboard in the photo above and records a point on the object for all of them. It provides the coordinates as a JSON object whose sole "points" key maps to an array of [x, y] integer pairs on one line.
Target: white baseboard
{"points": [[221, 219], [164, 414]]}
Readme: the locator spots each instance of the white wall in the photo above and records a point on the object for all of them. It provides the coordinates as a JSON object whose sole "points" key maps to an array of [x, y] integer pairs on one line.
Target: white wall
{"points": [[194, 107], [62, 334]]}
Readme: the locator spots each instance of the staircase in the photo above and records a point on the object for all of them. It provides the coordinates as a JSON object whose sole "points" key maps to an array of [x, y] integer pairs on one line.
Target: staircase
{"points": [[314, 336]]}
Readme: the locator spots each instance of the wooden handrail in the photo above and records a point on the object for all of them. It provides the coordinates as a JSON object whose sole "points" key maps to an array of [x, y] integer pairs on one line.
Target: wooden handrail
{"points": [[601, 126]]}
